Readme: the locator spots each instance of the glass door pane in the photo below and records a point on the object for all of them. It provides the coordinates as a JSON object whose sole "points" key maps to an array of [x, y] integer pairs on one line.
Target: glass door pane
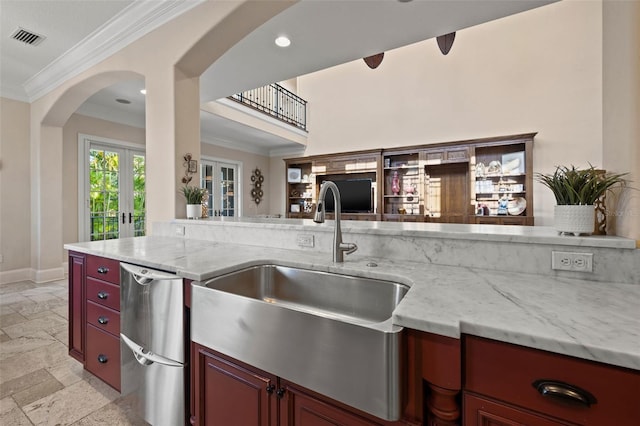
{"points": [[227, 184], [139, 204], [104, 194], [207, 182]]}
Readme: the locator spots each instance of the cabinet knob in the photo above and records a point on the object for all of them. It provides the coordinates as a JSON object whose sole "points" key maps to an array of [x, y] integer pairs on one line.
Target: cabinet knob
{"points": [[270, 389], [103, 270], [561, 391], [103, 295], [103, 320], [280, 393], [102, 359]]}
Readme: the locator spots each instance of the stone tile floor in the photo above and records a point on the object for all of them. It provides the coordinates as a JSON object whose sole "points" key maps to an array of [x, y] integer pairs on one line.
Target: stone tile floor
{"points": [[40, 384]]}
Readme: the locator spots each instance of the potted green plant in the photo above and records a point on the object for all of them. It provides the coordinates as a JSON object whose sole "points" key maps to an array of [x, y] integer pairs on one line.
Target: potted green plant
{"points": [[576, 191], [194, 196]]}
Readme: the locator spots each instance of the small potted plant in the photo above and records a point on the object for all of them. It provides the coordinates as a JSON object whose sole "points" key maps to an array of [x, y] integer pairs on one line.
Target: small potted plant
{"points": [[194, 196], [576, 191]]}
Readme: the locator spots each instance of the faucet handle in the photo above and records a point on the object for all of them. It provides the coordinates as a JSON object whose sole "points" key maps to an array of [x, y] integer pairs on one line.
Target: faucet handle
{"points": [[349, 248]]}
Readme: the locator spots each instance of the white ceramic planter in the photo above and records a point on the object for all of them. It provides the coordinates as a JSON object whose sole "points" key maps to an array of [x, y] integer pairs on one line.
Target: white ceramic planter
{"points": [[574, 219], [194, 211]]}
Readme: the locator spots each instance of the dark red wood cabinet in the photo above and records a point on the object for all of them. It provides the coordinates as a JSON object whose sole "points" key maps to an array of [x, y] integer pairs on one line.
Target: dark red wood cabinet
{"points": [[94, 315], [77, 275], [505, 383]]}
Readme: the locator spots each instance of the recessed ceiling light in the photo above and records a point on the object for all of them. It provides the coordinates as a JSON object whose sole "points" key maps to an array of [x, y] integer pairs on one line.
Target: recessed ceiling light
{"points": [[283, 41], [123, 101], [143, 91]]}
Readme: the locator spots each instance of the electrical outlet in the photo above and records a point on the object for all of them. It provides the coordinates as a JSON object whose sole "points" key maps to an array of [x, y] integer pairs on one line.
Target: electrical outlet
{"points": [[179, 230], [569, 261], [305, 240]]}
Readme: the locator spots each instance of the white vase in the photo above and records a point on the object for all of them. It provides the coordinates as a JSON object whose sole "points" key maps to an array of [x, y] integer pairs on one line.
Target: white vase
{"points": [[574, 219], [194, 211]]}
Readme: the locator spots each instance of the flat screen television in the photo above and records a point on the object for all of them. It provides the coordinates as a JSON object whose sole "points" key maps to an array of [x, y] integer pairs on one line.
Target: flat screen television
{"points": [[355, 196]]}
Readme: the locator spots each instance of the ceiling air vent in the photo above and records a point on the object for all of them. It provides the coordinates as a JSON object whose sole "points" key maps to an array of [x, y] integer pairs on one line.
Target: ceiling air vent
{"points": [[27, 37]]}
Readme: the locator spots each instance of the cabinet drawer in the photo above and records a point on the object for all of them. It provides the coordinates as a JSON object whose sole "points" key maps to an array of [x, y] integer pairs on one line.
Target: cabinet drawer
{"points": [[103, 293], [103, 356], [103, 318], [481, 411], [507, 372], [103, 269]]}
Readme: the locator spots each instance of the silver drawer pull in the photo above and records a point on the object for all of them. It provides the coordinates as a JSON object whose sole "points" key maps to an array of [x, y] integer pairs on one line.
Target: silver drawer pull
{"points": [[561, 391], [103, 320], [103, 270]]}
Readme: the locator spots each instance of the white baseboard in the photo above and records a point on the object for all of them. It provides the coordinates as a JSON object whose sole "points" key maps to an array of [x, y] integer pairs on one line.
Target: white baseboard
{"points": [[30, 274], [46, 275], [15, 275]]}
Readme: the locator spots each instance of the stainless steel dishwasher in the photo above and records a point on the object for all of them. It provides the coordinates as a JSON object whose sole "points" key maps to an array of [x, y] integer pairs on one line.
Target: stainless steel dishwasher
{"points": [[152, 345]]}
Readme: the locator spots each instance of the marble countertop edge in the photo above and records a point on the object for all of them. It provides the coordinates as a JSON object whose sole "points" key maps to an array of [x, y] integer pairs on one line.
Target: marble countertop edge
{"points": [[473, 232]]}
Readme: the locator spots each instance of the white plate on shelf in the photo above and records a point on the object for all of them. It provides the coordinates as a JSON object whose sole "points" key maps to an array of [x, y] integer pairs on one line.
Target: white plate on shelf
{"points": [[517, 206]]}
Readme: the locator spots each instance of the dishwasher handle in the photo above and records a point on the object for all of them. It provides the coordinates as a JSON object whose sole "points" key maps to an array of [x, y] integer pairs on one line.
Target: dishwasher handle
{"points": [[144, 276], [147, 358]]}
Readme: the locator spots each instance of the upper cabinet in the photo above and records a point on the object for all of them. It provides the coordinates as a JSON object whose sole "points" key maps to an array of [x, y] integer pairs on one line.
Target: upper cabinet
{"points": [[503, 181], [356, 175], [403, 195], [487, 180]]}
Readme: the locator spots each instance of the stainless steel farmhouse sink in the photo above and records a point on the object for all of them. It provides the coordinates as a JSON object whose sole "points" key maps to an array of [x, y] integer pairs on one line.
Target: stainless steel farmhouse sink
{"points": [[329, 332]]}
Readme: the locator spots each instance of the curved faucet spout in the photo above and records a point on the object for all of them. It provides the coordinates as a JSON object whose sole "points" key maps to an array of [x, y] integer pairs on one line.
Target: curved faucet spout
{"points": [[339, 248]]}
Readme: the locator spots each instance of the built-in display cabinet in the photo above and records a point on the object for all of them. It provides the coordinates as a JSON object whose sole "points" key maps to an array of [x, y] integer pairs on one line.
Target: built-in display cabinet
{"points": [[488, 180], [357, 173]]}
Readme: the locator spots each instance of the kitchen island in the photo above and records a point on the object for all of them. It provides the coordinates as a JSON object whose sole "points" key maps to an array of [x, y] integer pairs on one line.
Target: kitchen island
{"points": [[592, 321]]}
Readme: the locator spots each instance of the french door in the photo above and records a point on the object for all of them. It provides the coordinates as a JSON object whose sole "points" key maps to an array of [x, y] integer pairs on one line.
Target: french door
{"points": [[113, 191], [221, 178]]}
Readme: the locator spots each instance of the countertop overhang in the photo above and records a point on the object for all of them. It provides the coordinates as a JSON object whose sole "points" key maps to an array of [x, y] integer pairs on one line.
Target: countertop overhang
{"points": [[597, 321]]}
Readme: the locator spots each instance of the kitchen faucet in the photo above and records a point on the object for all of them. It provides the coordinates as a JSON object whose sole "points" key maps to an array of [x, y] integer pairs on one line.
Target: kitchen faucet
{"points": [[339, 248]]}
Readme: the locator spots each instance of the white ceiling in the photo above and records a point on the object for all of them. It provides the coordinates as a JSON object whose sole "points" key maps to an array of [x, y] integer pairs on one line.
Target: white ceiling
{"points": [[323, 34]]}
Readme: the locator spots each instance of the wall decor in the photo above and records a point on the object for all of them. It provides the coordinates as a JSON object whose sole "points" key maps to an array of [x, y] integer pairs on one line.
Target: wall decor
{"points": [[191, 167], [257, 179]]}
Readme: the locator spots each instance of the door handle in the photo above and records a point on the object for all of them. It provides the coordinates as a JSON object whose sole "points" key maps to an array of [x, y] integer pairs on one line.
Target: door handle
{"points": [[130, 217], [123, 218], [102, 359], [560, 391], [147, 358]]}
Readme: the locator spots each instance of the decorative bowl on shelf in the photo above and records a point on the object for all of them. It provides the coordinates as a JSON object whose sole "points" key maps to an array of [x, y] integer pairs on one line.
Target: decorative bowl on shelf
{"points": [[517, 206]]}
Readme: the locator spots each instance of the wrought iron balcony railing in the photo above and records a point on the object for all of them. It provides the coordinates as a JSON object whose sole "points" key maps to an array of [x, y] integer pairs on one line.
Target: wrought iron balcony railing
{"points": [[277, 102]]}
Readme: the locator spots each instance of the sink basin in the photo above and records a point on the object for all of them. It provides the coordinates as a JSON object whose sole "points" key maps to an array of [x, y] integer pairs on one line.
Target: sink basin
{"points": [[328, 332]]}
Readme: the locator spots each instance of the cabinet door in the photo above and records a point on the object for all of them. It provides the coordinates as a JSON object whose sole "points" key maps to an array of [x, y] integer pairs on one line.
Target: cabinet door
{"points": [[300, 409], [76, 305], [230, 394], [484, 412]]}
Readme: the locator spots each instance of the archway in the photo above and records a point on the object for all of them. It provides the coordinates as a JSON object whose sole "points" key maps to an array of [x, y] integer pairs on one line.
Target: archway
{"points": [[172, 121]]}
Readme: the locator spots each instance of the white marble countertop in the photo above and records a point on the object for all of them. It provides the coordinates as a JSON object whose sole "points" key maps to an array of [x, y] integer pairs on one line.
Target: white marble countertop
{"points": [[590, 320]]}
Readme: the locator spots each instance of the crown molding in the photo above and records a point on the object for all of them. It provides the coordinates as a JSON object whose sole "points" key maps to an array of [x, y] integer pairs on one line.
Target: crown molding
{"points": [[130, 24]]}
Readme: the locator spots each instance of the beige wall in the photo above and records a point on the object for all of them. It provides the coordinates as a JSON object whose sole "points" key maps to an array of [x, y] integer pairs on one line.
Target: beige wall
{"points": [[81, 124], [621, 109], [14, 188], [539, 71]]}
